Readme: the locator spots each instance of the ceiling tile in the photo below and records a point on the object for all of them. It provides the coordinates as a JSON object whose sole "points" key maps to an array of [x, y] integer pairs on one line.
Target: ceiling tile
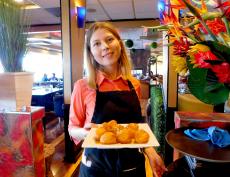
{"points": [[97, 18], [104, 10], [99, 13], [41, 16], [118, 7], [47, 3], [146, 15], [146, 8]]}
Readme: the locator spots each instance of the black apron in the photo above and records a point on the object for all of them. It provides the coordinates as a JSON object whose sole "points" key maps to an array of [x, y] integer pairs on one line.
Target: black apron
{"points": [[124, 107]]}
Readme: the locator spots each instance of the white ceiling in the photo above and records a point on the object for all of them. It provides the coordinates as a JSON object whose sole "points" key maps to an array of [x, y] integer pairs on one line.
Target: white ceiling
{"points": [[97, 10], [121, 9], [48, 13]]}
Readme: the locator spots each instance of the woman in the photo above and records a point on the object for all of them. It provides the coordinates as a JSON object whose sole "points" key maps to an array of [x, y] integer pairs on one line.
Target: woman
{"points": [[109, 92]]}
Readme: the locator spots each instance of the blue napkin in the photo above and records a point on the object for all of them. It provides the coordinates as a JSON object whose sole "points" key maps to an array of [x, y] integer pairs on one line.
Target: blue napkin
{"points": [[217, 135]]}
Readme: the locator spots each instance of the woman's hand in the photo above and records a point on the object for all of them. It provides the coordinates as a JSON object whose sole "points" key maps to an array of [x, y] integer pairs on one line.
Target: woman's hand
{"points": [[156, 162], [90, 125], [78, 133]]}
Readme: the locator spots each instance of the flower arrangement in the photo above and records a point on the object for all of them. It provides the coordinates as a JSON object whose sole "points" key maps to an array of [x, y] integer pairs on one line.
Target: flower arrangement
{"points": [[201, 47]]}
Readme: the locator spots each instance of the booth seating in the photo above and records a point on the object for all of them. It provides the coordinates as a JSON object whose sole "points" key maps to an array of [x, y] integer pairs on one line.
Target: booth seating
{"points": [[58, 102]]}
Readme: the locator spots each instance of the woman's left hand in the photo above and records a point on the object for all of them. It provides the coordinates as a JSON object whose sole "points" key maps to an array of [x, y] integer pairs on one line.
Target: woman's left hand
{"points": [[156, 162]]}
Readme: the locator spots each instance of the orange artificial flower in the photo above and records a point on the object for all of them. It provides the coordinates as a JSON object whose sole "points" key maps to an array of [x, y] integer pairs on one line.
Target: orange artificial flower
{"points": [[216, 26]]}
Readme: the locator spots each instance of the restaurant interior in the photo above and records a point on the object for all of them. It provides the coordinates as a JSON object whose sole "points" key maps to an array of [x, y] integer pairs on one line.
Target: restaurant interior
{"points": [[56, 58]]}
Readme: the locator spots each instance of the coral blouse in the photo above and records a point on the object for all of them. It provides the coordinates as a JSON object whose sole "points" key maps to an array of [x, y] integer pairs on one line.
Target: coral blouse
{"points": [[83, 97]]}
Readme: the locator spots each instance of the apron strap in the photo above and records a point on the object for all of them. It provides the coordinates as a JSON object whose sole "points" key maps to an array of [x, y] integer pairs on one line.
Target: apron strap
{"points": [[129, 84]]}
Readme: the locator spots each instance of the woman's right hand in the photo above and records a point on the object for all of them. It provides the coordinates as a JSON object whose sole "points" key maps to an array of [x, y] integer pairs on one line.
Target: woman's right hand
{"points": [[88, 126], [78, 133]]}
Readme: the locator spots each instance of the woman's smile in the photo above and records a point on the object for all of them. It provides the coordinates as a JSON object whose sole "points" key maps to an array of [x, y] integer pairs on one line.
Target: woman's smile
{"points": [[109, 54]]}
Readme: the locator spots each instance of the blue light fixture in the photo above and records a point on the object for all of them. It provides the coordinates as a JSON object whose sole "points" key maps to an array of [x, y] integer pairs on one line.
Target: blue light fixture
{"points": [[81, 11], [161, 8]]}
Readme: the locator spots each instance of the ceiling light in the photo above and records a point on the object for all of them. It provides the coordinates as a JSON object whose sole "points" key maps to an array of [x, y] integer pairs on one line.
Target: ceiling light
{"points": [[20, 1]]}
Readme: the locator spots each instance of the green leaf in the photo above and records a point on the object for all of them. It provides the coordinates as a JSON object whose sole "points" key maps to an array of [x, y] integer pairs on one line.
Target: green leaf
{"points": [[211, 88], [206, 16], [220, 50], [192, 9], [161, 27], [205, 87], [212, 81]]}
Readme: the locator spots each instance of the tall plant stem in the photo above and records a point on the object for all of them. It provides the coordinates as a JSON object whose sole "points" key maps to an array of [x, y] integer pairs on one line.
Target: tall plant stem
{"points": [[226, 25], [209, 31]]}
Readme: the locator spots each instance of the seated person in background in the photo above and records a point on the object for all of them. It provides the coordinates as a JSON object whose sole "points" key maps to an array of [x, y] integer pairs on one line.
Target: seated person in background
{"points": [[53, 78], [45, 78]]}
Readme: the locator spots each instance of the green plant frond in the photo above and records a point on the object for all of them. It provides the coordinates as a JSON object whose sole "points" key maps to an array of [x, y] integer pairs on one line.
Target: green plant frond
{"points": [[204, 85], [14, 27], [220, 50], [192, 9], [206, 16], [161, 27]]}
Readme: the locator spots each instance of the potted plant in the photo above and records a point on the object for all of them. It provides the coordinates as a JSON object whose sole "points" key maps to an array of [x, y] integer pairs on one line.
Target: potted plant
{"points": [[15, 83]]}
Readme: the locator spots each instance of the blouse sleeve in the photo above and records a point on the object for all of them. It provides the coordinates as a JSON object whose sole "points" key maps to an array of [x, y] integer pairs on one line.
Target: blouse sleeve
{"points": [[77, 114]]}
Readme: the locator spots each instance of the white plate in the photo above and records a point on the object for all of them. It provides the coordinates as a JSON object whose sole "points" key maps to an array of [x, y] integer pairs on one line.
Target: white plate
{"points": [[90, 142]]}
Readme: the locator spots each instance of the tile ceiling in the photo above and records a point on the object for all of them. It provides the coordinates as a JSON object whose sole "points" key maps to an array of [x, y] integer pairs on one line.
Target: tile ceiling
{"points": [[97, 10], [47, 12]]}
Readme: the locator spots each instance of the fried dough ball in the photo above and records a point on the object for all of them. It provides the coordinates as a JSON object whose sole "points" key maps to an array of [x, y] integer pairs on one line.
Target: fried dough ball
{"points": [[141, 136], [112, 123], [110, 126], [120, 127], [111, 133], [99, 131], [105, 125], [133, 126], [124, 136], [132, 132], [108, 138], [117, 128]]}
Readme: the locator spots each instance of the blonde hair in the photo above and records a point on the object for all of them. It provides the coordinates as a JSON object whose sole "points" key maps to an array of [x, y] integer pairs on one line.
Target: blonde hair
{"points": [[91, 65]]}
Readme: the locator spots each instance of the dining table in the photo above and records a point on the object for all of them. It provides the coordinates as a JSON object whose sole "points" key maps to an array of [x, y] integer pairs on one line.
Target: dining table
{"points": [[44, 97], [203, 157]]}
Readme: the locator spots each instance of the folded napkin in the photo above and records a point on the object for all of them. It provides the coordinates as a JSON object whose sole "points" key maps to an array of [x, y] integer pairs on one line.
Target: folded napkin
{"points": [[217, 135]]}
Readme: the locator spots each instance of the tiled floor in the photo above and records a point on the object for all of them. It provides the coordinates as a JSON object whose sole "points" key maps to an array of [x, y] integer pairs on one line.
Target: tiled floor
{"points": [[54, 136]]}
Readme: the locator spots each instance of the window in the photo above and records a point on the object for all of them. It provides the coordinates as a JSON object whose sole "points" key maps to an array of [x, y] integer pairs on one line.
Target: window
{"points": [[41, 63]]}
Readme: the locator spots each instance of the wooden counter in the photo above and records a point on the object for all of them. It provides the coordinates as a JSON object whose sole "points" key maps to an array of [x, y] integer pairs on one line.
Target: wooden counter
{"points": [[201, 119]]}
